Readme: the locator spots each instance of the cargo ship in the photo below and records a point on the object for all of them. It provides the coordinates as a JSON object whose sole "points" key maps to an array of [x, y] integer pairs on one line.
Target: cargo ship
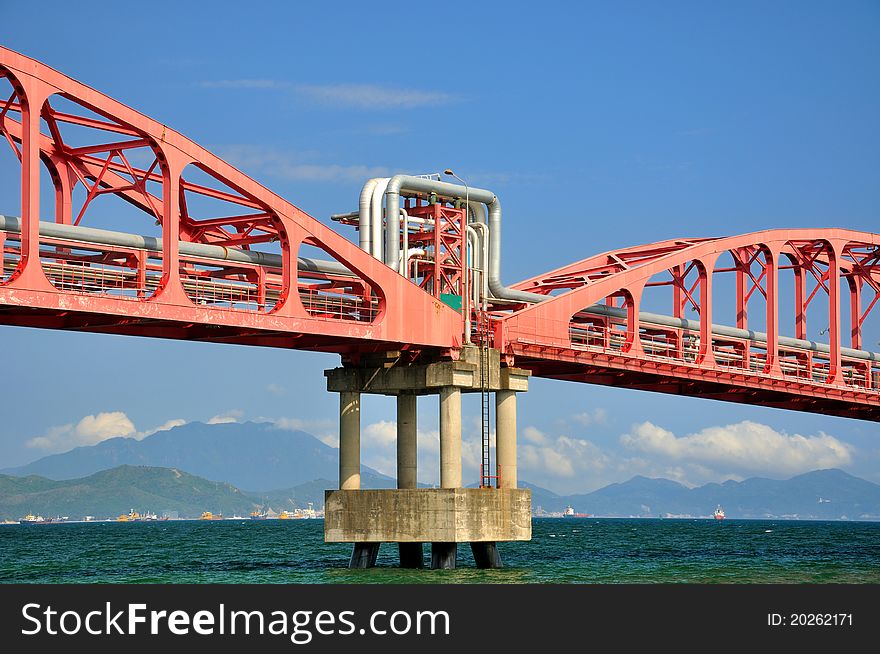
{"points": [[134, 516], [31, 519], [570, 513], [718, 514]]}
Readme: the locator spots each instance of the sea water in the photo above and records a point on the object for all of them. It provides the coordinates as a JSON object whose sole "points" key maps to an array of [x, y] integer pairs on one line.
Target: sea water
{"points": [[562, 550]]}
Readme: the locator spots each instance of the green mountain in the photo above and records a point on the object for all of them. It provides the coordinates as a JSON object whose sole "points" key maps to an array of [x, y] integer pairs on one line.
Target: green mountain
{"points": [[110, 493], [253, 455], [820, 494]]}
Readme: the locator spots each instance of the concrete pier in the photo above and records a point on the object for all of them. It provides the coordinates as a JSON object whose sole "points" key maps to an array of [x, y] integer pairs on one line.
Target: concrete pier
{"points": [[349, 440], [411, 516], [436, 515], [407, 440], [486, 555], [505, 437], [412, 555], [450, 437], [363, 555], [443, 556]]}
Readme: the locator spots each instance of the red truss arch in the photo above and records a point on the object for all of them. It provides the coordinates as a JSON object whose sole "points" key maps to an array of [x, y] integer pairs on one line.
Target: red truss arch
{"points": [[569, 337], [94, 147]]}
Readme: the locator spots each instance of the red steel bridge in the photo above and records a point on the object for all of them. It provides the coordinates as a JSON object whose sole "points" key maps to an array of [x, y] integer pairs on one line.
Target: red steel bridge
{"points": [[128, 227]]}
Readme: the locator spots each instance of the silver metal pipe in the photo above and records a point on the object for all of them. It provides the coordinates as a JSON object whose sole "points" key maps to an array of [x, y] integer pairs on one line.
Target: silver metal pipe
{"points": [[221, 253], [400, 183], [403, 267], [647, 317], [154, 244], [365, 232], [377, 219]]}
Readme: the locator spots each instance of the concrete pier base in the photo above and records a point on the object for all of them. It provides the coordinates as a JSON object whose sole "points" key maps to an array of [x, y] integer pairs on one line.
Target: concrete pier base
{"points": [[486, 555], [411, 555], [443, 556], [412, 516], [422, 515], [364, 555]]}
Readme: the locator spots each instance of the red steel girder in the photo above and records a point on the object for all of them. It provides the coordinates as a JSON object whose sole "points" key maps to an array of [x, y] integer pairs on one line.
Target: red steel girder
{"points": [[403, 314]]}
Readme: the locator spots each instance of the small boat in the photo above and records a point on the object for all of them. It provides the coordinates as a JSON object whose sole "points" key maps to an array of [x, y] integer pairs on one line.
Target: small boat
{"points": [[718, 514], [570, 513], [131, 516]]}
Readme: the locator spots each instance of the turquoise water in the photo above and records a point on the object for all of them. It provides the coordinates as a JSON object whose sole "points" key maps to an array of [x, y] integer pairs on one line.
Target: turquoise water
{"points": [[561, 551]]}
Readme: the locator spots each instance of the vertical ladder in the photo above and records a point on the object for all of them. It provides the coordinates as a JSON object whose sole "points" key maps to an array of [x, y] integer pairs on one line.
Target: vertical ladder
{"points": [[485, 461]]}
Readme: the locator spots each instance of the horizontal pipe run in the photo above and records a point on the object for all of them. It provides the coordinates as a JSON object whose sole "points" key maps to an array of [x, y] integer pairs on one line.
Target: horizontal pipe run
{"points": [[154, 244], [731, 332], [473, 196], [221, 253]]}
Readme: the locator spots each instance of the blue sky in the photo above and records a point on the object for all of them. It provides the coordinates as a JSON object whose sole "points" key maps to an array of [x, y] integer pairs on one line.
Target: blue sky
{"points": [[599, 125]]}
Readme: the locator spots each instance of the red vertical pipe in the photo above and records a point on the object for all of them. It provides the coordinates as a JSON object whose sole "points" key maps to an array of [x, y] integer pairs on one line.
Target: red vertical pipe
{"points": [[855, 311], [30, 178], [772, 267], [800, 298], [742, 308], [742, 317], [30, 272], [171, 289], [634, 307], [63, 180], [678, 304], [834, 372], [704, 266]]}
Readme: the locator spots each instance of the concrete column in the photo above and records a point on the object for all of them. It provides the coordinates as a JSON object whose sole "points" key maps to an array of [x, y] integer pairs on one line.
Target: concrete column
{"points": [[443, 556], [411, 555], [364, 555], [407, 436], [349, 440], [486, 555], [505, 437], [450, 437]]}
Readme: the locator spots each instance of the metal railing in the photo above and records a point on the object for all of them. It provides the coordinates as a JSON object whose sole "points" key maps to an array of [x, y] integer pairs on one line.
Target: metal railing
{"points": [[729, 354]]}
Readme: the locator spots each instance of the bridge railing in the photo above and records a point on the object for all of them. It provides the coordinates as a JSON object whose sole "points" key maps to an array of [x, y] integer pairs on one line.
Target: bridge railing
{"points": [[728, 354]]}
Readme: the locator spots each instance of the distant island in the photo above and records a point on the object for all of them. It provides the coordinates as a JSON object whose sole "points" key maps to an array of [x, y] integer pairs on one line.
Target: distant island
{"points": [[239, 468], [818, 495]]}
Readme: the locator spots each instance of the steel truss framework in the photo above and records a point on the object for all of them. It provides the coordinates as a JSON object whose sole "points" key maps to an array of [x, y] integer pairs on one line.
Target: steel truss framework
{"points": [[88, 142], [563, 338], [92, 147]]}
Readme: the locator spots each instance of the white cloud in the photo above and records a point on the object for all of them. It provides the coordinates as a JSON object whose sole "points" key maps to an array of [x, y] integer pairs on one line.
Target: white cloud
{"points": [[597, 416], [168, 424], [295, 166], [88, 431], [542, 458], [244, 84], [740, 450], [275, 389], [226, 417], [324, 429], [533, 435], [93, 429], [372, 96], [379, 451], [381, 434]]}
